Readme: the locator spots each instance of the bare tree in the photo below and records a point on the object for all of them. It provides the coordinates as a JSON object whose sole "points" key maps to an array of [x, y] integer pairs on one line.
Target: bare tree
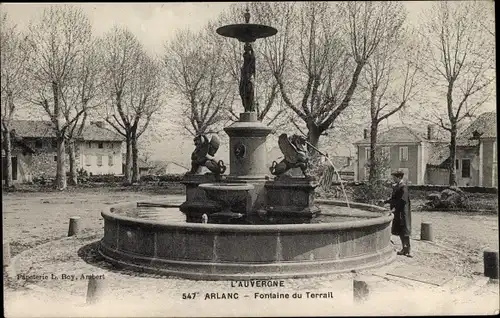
{"points": [[195, 72], [14, 56], [133, 86], [390, 80], [82, 95], [58, 41], [321, 52], [460, 65]]}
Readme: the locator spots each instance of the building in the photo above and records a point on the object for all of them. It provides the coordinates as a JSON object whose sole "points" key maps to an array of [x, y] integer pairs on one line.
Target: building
{"points": [[145, 168], [404, 149], [425, 158], [169, 167], [476, 156], [34, 150]]}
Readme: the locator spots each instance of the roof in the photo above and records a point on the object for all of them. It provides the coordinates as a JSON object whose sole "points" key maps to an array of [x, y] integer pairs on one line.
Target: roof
{"points": [[396, 135], [485, 125], [33, 128], [161, 167], [44, 129], [438, 153]]}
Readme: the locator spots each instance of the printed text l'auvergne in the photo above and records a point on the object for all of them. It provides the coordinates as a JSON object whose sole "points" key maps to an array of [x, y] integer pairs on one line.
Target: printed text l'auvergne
{"points": [[258, 283]]}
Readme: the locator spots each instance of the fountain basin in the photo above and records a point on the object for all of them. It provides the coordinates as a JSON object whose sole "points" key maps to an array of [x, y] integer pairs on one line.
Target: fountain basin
{"points": [[233, 188], [228, 251]]}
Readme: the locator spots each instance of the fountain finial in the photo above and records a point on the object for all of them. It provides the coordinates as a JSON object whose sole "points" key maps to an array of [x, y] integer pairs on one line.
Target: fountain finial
{"points": [[247, 15]]}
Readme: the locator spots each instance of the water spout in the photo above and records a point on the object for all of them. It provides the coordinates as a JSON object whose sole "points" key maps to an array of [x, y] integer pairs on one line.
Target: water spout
{"points": [[334, 170]]}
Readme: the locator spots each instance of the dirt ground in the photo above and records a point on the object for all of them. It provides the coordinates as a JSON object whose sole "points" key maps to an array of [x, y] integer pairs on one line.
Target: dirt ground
{"points": [[37, 224]]}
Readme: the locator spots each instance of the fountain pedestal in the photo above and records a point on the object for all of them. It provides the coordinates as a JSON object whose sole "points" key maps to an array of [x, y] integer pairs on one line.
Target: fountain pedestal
{"points": [[248, 156], [197, 203], [233, 199], [291, 199], [247, 144]]}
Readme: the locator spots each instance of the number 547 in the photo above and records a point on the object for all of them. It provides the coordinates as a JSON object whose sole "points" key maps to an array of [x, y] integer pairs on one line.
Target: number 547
{"points": [[189, 295]]}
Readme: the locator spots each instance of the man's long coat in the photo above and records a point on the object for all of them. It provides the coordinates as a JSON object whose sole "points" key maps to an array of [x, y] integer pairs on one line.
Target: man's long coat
{"points": [[400, 202]]}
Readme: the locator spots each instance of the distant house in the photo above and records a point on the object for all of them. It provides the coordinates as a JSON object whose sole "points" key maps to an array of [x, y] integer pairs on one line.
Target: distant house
{"points": [[405, 149], [345, 167], [145, 168], [425, 159], [34, 150], [169, 167], [476, 156]]}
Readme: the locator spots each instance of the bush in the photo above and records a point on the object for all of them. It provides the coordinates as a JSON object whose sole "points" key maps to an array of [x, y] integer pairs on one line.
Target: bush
{"points": [[105, 178], [371, 193], [43, 180], [171, 177], [150, 178]]}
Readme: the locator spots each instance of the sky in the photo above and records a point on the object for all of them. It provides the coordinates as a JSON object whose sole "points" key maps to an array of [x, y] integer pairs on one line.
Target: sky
{"points": [[156, 23], [152, 23]]}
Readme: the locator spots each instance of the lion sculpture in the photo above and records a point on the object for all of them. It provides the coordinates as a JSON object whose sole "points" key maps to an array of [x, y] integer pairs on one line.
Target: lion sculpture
{"points": [[203, 155], [294, 149]]}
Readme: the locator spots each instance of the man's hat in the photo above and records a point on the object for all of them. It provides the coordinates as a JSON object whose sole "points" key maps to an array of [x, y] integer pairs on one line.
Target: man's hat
{"points": [[398, 173]]}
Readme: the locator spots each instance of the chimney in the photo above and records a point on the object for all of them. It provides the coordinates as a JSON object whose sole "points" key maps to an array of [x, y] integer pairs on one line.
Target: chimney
{"points": [[431, 132], [365, 133], [99, 124]]}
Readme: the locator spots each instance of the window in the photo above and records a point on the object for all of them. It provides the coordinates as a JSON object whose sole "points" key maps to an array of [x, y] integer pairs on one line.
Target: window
{"points": [[110, 160], [90, 144], [38, 144], [55, 158], [403, 153], [465, 168], [88, 160], [100, 145], [367, 153], [386, 152], [54, 143], [99, 160], [457, 164]]}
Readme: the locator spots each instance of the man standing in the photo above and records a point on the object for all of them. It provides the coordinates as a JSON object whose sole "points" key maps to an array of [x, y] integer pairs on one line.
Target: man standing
{"points": [[400, 202]]}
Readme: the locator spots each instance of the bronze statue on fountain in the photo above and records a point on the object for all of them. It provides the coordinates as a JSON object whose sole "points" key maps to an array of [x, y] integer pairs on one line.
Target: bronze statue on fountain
{"points": [[203, 155], [247, 79], [294, 149]]}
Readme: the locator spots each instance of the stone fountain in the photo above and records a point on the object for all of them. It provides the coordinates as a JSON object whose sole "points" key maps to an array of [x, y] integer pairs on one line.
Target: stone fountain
{"points": [[258, 227]]}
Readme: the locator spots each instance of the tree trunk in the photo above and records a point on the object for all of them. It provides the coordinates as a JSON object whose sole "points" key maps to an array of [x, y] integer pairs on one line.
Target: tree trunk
{"points": [[313, 134], [372, 162], [73, 176], [135, 159], [8, 158], [61, 164], [128, 159], [453, 155]]}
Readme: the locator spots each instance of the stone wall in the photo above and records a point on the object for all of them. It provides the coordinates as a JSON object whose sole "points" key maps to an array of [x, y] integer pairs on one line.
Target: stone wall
{"points": [[43, 163]]}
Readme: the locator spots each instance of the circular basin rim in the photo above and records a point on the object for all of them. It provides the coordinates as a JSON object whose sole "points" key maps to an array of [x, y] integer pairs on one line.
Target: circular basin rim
{"points": [[227, 186]]}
